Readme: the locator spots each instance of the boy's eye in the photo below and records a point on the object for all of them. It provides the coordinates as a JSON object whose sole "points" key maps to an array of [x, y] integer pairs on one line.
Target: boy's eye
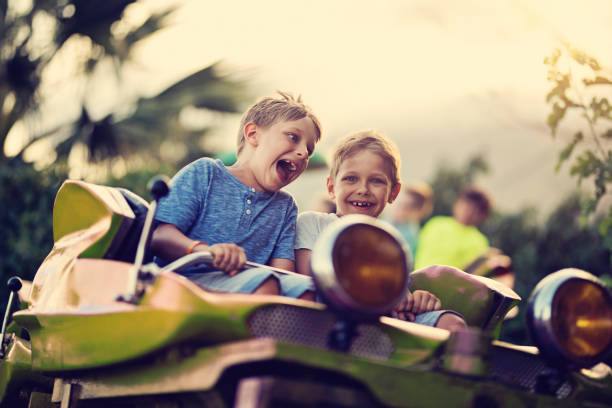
{"points": [[293, 137], [350, 178], [379, 181]]}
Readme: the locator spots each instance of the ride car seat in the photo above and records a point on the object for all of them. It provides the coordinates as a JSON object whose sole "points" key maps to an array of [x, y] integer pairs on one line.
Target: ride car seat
{"points": [[482, 301], [118, 213]]}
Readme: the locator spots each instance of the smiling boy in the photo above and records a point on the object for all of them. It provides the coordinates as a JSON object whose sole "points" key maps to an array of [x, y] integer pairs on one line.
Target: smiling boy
{"points": [[240, 212], [363, 178]]}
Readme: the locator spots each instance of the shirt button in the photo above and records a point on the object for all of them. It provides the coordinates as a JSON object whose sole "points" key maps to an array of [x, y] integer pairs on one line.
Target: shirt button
{"points": [[248, 201], [252, 189], [248, 211]]}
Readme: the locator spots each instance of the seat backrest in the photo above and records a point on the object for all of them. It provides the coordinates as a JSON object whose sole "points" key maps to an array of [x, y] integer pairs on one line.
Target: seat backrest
{"points": [[126, 252], [482, 301], [80, 205]]}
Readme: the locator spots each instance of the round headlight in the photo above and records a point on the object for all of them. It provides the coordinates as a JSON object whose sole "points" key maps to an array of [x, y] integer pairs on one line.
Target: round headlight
{"points": [[569, 316], [361, 265]]}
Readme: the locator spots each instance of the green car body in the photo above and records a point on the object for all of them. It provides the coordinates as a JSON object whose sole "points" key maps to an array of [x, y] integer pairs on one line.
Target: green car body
{"points": [[76, 342]]}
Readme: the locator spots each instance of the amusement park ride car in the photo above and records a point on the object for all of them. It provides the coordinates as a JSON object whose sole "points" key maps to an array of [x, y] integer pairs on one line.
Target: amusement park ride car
{"points": [[102, 326]]}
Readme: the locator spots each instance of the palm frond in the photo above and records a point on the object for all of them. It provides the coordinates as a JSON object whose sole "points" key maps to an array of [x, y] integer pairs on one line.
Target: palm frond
{"points": [[205, 89], [93, 19], [150, 26], [152, 121]]}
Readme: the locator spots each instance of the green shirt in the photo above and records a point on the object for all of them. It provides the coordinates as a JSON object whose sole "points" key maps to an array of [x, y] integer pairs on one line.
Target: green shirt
{"points": [[445, 241]]}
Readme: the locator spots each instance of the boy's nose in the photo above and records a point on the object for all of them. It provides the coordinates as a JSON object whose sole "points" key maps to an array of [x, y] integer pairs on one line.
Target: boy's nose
{"points": [[302, 151], [362, 188]]}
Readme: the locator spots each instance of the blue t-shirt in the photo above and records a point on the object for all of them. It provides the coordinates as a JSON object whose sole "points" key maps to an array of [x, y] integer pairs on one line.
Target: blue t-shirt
{"points": [[207, 203], [410, 232]]}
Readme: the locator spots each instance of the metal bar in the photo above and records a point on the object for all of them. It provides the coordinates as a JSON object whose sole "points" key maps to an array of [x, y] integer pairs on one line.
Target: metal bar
{"points": [[206, 257], [6, 313], [142, 243]]}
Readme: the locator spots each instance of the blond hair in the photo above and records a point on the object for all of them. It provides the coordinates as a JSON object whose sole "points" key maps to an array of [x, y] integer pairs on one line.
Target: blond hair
{"points": [[269, 110], [373, 141]]}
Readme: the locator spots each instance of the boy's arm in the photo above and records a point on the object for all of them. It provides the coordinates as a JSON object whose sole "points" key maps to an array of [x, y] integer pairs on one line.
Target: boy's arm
{"points": [[308, 227], [302, 260], [282, 263], [170, 243]]}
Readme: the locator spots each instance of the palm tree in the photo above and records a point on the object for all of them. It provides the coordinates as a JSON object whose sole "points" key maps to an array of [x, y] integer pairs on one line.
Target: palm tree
{"points": [[154, 120], [26, 53]]}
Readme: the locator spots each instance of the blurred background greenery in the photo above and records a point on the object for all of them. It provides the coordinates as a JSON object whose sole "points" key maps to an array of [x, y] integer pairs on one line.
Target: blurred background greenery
{"points": [[139, 136]]}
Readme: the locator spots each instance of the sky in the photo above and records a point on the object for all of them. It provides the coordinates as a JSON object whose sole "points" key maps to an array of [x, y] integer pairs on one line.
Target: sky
{"points": [[444, 79]]}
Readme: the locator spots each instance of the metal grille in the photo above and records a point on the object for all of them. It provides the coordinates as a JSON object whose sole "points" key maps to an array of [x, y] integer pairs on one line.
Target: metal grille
{"points": [[311, 328], [522, 369]]}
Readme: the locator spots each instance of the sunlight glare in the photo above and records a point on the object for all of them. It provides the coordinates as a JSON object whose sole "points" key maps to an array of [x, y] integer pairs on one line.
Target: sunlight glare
{"points": [[16, 139]]}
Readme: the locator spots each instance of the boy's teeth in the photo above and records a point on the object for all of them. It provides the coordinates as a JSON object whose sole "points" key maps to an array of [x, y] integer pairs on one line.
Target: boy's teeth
{"points": [[290, 166], [358, 204]]}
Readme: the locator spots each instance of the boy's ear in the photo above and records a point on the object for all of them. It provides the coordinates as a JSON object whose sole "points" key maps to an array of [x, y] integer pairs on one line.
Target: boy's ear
{"points": [[330, 189], [394, 192], [250, 133]]}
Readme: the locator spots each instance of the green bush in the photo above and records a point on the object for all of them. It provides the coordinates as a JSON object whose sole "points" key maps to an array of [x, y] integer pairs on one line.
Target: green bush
{"points": [[27, 197]]}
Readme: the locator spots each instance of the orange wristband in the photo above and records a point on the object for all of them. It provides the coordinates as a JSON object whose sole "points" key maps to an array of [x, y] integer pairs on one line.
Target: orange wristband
{"points": [[193, 245]]}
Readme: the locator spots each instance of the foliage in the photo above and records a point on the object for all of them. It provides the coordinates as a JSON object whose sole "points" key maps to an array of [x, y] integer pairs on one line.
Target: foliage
{"points": [[33, 33], [27, 199], [448, 182], [137, 181], [155, 120], [33, 36], [572, 243], [580, 84]]}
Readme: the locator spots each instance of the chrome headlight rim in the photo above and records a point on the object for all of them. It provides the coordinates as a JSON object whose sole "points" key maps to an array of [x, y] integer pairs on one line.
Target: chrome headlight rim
{"points": [[540, 320], [322, 267]]}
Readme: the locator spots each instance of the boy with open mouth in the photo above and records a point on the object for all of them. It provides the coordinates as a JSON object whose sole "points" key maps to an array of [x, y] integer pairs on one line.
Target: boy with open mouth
{"points": [[240, 212]]}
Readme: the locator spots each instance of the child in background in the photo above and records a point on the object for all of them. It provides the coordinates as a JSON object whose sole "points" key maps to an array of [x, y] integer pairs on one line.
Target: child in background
{"points": [[322, 203], [456, 240], [414, 203], [240, 212], [364, 177]]}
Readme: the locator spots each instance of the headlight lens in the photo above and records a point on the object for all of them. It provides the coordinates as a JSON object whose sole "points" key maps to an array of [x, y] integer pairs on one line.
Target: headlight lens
{"points": [[361, 266], [569, 316], [582, 318], [369, 264]]}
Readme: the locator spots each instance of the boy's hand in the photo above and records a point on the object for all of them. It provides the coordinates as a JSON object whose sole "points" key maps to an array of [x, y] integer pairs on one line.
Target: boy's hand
{"points": [[423, 301], [229, 258], [416, 303]]}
